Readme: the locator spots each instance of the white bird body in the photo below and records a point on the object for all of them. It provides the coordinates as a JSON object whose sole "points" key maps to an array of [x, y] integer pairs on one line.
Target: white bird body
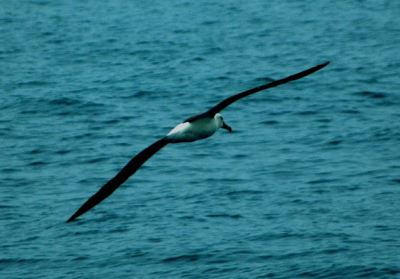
{"points": [[200, 128]]}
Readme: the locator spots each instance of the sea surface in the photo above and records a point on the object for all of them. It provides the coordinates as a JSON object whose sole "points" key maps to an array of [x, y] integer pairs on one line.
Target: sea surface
{"points": [[307, 185]]}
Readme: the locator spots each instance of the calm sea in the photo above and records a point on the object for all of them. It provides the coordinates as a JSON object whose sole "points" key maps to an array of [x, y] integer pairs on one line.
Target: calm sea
{"points": [[307, 186]]}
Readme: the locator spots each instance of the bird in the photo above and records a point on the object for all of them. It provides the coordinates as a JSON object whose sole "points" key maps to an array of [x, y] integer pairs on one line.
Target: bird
{"points": [[194, 128]]}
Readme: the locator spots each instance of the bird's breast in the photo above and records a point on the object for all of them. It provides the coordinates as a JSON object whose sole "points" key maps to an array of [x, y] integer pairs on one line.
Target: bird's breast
{"points": [[192, 131]]}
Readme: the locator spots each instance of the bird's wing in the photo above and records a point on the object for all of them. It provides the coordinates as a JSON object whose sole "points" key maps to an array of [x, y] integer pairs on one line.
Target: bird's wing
{"points": [[197, 116], [133, 165], [275, 83]]}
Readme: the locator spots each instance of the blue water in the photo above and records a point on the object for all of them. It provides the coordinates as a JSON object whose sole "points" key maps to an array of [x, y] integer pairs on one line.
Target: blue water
{"points": [[307, 186]]}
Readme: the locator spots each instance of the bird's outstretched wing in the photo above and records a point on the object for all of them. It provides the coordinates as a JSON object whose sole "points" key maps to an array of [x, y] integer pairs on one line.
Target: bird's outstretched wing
{"points": [[275, 83], [120, 178]]}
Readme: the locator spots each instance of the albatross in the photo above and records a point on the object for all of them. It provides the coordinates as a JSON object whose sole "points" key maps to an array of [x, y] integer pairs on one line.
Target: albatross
{"points": [[194, 128]]}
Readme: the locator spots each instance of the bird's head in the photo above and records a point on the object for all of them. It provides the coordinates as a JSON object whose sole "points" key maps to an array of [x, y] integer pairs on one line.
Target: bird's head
{"points": [[221, 123]]}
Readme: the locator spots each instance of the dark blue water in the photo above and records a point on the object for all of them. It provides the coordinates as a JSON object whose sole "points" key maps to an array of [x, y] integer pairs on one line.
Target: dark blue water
{"points": [[307, 186]]}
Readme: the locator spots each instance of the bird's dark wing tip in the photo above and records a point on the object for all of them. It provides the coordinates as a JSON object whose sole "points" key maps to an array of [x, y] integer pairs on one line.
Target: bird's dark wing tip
{"points": [[323, 65], [72, 218], [319, 67]]}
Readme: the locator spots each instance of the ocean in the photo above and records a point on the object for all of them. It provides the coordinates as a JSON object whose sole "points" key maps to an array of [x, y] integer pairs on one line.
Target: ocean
{"points": [[306, 186]]}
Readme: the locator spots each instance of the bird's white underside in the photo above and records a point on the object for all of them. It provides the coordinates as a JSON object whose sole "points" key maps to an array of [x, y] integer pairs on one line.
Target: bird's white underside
{"points": [[192, 131]]}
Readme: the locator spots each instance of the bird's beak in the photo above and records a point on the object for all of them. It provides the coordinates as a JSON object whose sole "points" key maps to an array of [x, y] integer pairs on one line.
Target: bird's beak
{"points": [[226, 127]]}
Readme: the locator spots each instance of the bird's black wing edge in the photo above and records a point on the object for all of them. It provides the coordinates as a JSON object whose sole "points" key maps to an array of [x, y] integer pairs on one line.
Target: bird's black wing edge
{"points": [[223, 104], [133, 165], [197, 116]]}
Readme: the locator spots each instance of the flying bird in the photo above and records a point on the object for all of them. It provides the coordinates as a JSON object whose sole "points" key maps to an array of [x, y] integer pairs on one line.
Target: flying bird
{"points": [[194, 128]]}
